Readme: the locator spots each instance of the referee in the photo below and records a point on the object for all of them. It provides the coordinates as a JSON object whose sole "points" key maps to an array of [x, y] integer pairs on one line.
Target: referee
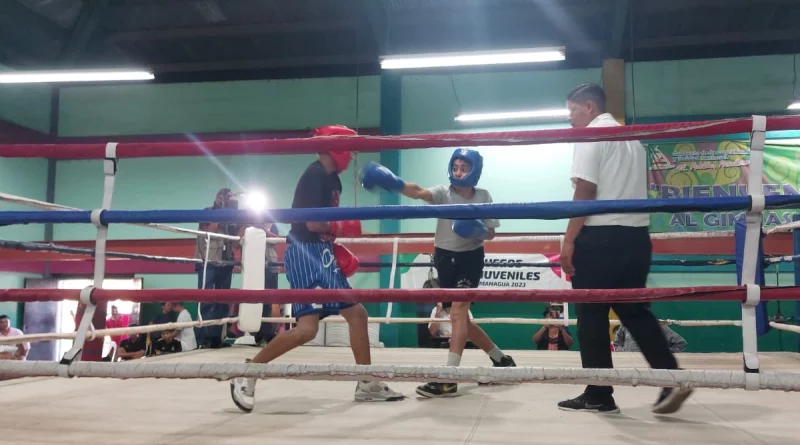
{"points": [[611, 251]]}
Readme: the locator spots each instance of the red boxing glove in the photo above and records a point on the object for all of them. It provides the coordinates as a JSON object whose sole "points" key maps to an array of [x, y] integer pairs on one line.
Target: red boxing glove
{"points": [[348, 263], [345, 228]]}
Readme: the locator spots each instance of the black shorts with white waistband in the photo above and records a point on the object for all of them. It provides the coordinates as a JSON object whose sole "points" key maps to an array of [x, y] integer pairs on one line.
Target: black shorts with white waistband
{"points": [[458, 269]]}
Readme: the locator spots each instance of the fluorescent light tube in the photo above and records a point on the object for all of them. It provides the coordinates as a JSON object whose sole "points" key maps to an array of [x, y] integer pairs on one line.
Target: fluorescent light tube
{"points": [[531, 114], [73, 76], [794, 106], [472, 58]]}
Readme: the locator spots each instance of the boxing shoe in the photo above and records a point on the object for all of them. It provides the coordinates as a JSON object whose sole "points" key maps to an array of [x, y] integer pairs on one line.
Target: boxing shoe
{"points": [[582, 403], [376, 392], [671, 399], [243, 393]]}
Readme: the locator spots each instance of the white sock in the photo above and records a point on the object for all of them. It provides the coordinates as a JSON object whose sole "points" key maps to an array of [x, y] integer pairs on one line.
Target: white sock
{"points": [[453, 359], [496, 354]]}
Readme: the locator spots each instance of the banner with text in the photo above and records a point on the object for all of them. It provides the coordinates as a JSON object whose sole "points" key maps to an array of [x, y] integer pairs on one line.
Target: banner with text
{"points": [[716, 169], [499, 272]]}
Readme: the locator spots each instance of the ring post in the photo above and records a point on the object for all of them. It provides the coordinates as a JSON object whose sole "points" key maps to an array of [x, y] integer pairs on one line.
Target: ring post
{"points": [[91, 313], [565, 313], [751, 258], [392, 274], [254, 252]]}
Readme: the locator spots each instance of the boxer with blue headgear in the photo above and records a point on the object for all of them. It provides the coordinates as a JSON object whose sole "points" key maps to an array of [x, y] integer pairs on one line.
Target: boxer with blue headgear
{"points": [[458, 254], [461, 177]]}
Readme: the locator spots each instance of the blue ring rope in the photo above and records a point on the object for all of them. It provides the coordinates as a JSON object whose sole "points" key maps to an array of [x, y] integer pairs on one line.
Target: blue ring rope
{"points": [[546, 211]]}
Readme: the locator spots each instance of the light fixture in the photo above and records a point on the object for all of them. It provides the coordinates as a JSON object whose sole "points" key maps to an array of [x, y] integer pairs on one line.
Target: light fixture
{"points": [[73, 76], [794, 106], [255, 201], [508, 115], [434, 60]]}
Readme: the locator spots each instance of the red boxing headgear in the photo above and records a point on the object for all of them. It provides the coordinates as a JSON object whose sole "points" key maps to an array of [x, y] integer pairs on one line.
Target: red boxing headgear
{"points": [[340, 158]]}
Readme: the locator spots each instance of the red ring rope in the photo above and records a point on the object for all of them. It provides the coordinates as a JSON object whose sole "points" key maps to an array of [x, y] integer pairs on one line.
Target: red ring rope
{"points": [[377, 143], [308, 296]]}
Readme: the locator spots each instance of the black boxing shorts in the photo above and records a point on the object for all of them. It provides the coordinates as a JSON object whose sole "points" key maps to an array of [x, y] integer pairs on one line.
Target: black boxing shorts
{"points": [[458, 269]]}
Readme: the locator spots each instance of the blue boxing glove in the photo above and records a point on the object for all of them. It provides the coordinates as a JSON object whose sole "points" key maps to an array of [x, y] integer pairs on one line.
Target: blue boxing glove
{"points": [[375, 174], [471, 229]]}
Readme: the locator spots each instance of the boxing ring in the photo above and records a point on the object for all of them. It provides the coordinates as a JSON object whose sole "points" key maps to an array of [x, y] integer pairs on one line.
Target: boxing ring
{"points": [[307, 396]]}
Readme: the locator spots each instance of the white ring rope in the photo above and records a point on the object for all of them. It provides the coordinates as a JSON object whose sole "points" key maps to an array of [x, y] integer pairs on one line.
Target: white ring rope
{"points": [[781, 381], [785, 327], [338, 319], [51, 206], [113, 332], [788, 227], [392, 272]]}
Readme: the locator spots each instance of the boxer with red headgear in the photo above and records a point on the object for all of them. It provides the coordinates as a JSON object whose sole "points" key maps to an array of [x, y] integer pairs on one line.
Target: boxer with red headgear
{"points": [[341, 159], [312, 260]]}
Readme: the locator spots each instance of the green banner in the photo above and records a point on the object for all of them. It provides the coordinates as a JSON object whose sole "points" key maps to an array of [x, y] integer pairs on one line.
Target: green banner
{"points": [[716, 169]]}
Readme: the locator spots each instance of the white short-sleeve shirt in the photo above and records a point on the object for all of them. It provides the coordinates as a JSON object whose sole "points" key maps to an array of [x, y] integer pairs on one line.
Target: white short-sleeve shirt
{"points": [[445, 329], [12, 348], [186, 336], [618, 168]]}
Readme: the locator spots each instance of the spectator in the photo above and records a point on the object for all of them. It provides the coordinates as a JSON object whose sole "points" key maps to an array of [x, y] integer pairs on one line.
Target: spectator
{"points": [[135, 346], [624, 341], [117, 321], [166, 316], [12, 352], [167, 344], [216, 276], [442, 330], [553, 337], [185, 335]]}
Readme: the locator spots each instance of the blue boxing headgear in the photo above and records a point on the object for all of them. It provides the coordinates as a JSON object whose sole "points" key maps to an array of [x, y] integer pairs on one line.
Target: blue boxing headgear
{"points": [[474, 159]]}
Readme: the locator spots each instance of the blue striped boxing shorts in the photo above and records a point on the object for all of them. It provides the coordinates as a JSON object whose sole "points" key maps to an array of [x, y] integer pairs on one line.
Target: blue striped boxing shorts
{"points": [[311, 266]]}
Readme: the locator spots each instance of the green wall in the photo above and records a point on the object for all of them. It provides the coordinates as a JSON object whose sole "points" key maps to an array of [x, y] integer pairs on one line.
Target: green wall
{"points": [[26, 105], [701, 87], [666, 89], [431, 102], [26, 178], [218, 106], [22, 177]]}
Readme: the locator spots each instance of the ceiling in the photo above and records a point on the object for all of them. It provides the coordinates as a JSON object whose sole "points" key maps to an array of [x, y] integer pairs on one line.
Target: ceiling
{"points": [[195, 40]]}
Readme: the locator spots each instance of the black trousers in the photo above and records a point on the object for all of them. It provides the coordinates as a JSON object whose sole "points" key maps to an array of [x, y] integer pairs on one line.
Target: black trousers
{"points": [[615, 257]]}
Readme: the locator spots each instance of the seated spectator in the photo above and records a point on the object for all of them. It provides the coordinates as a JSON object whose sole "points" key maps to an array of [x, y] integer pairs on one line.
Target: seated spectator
{"points": [[166, 316], [167, 344], [135, 346], [442, 330], [185, 335], [624, 341], [12, 352], [553, 337]]}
